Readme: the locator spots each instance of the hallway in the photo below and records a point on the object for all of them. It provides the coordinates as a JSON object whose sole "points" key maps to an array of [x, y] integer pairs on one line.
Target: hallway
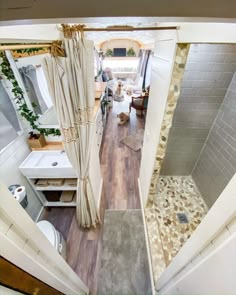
{"points": [[120, 164], [120, 171]]}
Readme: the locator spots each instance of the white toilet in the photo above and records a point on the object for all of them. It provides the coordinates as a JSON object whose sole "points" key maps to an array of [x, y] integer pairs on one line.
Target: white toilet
{"points": [[54, 237]]}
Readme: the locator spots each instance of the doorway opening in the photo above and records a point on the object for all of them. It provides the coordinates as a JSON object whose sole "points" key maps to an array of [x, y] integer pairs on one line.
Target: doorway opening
{"points": [[120, 148]]}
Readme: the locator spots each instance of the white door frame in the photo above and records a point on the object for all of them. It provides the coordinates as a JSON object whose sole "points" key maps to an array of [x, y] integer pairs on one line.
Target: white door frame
{"points": [[23, 244], [187, 33]]}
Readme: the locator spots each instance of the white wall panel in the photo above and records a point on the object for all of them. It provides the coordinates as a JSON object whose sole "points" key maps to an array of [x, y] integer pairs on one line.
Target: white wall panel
{"points": [[213, 275], [207, 33], [162, 66]]}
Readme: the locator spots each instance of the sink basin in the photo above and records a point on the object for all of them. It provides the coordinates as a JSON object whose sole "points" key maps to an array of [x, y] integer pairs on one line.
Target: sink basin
{"points": [[47, 164]]}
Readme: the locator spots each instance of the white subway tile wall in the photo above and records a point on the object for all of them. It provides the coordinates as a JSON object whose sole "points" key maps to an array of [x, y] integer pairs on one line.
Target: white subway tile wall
{"points": [[217, 162], [209, 71]]}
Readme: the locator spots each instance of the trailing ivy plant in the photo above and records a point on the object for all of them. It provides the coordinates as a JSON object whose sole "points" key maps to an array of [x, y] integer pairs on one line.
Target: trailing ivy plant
{"points": [[29, 50], [22, 107]]}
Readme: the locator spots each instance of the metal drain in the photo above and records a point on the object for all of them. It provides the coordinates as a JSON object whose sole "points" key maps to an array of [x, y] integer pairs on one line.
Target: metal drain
{"points": [[182, 218]]}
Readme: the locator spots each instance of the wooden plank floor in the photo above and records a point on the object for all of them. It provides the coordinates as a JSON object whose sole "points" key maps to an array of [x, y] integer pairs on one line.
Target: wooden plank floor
{"points": [[120, 171]]}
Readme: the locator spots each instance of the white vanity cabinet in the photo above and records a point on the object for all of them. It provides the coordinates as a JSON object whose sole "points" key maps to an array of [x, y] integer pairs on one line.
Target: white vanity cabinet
{"points": [[49, 167], [54, 164], [42, 191]]}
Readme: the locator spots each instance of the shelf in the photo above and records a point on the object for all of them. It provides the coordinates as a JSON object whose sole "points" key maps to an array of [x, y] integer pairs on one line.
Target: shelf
{"points": [[60, 204], [57, 145], [55, 188]]}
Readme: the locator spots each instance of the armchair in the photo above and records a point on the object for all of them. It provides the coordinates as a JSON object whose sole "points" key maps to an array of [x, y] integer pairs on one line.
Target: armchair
{"points": [[139, 103]]}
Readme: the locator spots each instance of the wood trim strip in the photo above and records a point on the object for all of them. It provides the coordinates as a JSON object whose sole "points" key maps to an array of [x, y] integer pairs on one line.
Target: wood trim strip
{"points": [[15, 278]]}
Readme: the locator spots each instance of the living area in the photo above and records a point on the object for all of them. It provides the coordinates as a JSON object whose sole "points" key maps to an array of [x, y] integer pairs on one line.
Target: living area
{"points": [[125, 65]]}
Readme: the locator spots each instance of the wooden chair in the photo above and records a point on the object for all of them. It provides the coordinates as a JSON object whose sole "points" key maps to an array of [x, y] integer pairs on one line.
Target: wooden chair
{"points": [[139, 103]]}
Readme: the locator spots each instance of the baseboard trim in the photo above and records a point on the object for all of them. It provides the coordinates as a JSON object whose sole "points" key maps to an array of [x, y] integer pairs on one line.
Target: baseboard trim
{"points": [[147, 241]]}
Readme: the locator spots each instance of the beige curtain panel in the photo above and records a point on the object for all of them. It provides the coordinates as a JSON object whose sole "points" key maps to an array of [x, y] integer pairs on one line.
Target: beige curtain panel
{"points": [[71, 85]]}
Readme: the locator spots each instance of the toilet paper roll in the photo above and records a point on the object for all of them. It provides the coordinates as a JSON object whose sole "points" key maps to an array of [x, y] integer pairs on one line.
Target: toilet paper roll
{"points": [[16, 197], [20, 193]]}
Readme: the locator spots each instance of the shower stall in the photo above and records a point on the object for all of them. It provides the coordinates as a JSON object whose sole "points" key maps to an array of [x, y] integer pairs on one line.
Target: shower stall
{"points": [[200, 155]]}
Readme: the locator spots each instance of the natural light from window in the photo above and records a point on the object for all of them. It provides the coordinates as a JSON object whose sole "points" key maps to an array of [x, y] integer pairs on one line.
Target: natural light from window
{"points": [[121, 64]]}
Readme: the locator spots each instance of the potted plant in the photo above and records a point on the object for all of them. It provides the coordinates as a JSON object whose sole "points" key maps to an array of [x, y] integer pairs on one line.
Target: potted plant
{"points": [[109, 52], [131, 52], [36, 140]]}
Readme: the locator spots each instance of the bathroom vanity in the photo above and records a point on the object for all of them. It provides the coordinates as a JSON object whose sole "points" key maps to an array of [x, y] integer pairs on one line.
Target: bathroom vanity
{"points": [[52, 167], [50, 172]]}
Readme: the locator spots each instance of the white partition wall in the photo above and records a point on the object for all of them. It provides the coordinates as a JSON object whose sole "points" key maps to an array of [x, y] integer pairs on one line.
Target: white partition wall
{"points": [[162, 66]]}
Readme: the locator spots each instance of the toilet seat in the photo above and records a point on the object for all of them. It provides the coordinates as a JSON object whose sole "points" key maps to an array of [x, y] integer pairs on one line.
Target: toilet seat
{"points": [[50, 232]]}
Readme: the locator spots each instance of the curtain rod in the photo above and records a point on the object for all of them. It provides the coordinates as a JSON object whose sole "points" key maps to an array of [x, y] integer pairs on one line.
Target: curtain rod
{"points": [[107, 29], [128, 29]]}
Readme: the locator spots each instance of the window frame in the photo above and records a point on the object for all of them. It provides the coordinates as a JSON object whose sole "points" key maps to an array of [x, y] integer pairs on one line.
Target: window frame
{"points": [[21, 131]]}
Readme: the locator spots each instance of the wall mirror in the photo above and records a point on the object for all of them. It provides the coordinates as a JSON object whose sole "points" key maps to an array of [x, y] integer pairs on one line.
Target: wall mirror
{"points": [[32, 78], [29, 73]]}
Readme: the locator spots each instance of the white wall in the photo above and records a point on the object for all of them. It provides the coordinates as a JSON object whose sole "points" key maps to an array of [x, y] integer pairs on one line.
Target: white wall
{"points": [[207, 33], [214, 274], [10, 160], [120, 43], [162, 66], [188, 32]]}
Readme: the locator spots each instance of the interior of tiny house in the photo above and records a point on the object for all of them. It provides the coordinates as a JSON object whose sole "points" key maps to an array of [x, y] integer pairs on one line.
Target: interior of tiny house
{"points": [[41, 169], [74, 155]]}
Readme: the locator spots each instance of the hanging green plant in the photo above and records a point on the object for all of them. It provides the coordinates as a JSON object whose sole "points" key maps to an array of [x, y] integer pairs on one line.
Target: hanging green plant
{"points": [[109, 52], [29, 50], [22, 107], [131, 52]]}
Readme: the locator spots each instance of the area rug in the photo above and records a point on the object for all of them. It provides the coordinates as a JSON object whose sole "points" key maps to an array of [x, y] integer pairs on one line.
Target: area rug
{"points": [[124, 261], [134, 141]]}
